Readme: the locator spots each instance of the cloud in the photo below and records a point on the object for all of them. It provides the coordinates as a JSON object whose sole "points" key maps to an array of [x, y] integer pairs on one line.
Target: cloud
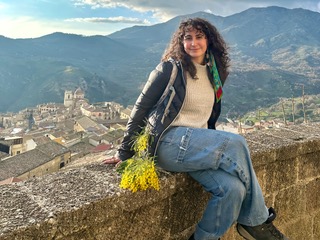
{"points": [[16, 27], [119, 19], [113, 15], [164, 10], [101, 3]]}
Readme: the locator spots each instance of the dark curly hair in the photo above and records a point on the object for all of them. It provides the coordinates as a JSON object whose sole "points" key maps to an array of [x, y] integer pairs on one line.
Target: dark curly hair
{"points": [[216, 45]]}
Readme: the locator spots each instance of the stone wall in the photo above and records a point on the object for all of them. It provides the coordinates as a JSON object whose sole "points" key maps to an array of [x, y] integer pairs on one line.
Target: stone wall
{"points": [[86, 203]]}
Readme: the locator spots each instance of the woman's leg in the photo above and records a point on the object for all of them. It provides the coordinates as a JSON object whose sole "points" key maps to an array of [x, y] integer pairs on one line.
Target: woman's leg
{"points": [[190, 150], [227, 195]]}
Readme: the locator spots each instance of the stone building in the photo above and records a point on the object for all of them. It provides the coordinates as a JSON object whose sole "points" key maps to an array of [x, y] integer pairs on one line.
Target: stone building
{"points": [[44, 159], [70, 97], [12, 145]]}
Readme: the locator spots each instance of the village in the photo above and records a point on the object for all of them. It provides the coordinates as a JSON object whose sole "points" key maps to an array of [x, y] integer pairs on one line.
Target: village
{"points": [[52, 137], [47, 138]]}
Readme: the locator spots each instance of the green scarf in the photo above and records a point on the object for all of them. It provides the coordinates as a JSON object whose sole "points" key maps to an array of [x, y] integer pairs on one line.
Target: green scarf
{"points": [[217, 85]]}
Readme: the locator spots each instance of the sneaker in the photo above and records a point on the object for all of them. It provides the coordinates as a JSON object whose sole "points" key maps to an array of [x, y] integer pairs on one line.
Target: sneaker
{"points": [[265, 231]]}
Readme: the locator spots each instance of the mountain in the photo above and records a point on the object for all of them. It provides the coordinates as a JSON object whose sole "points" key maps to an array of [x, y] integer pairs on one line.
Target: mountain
{"points": [[34, 71], [273, 51]]}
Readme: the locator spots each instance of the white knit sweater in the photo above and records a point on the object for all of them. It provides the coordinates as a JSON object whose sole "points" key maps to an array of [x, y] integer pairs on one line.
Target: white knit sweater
{"points": [[199, 100]]}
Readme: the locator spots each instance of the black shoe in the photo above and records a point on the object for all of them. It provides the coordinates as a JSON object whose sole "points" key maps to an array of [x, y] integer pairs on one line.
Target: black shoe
{"points": [[265, 231]]}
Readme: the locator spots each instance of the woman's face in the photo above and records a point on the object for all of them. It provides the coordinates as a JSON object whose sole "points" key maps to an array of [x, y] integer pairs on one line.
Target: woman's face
{"points": [[195, 44]]}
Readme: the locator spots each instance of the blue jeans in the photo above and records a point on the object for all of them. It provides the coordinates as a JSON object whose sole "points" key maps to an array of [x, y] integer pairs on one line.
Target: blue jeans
{"points": [[220, 162]]}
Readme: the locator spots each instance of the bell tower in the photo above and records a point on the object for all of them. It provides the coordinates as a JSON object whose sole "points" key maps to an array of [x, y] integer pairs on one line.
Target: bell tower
{"points": [[68, 98]]}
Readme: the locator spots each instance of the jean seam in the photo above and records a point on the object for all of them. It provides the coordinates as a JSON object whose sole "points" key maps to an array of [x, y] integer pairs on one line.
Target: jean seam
{"points": [[184, 143]]}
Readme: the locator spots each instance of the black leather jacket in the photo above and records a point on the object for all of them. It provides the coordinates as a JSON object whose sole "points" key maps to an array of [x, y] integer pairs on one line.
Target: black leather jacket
{"points": [[165, 112]]}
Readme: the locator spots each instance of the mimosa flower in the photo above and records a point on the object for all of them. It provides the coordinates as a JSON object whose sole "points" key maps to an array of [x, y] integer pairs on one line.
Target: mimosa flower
{"points": [[139, 172]]}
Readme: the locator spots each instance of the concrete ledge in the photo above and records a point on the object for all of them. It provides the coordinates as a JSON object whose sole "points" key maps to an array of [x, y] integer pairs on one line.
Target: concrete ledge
{"points": [[86, 203]]}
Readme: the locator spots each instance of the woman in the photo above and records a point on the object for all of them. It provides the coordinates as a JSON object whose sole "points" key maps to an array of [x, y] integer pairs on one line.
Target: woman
{"points": [[185, 139]]}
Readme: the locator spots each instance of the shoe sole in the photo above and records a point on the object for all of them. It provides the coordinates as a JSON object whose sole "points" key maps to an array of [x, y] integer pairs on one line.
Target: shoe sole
{"points": [[244, 233]]}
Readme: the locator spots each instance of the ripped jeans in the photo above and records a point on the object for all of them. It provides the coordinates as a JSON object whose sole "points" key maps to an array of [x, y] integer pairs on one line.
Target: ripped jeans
{"points": [[220, 162]]}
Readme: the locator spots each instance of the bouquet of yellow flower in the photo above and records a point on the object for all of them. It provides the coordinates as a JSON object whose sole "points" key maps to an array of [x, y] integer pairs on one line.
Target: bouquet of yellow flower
{"points": [[139, 172]]}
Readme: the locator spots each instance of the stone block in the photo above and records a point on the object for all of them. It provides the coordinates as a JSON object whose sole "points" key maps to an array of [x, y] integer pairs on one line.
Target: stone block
{"points": [[187, 204], [280, 175], [290, 203], [301, 229], [261, 173], [308, 166], [313, 195]]}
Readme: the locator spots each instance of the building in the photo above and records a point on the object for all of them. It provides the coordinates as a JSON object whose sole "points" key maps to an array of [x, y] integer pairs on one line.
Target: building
{"points": [[125, 113], [12, 145], [44, 159], [87, 125], [48, 108], [70, 98]]}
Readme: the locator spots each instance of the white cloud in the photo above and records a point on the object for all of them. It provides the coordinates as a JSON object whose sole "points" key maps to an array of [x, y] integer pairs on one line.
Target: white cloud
{"points": [[133, 12], [101, 3], [164, 9], [118, 19]]}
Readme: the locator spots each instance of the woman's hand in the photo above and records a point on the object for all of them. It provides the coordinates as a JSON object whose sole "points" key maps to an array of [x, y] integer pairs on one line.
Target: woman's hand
{"points": [[112, 160], [118, 164]]}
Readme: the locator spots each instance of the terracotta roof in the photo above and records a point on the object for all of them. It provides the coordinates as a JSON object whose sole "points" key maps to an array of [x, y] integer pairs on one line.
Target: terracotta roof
{"points": [[10, 180], [102, 147]]}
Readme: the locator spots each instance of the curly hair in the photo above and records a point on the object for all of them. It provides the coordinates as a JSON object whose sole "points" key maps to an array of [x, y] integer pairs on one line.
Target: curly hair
{"points": [[216, 45]]}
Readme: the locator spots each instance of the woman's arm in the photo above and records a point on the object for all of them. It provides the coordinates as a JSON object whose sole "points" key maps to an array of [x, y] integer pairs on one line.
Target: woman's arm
{"points": [[151, 93]]}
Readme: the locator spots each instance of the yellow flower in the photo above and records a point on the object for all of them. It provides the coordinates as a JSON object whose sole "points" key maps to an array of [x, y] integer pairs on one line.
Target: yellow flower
{"points": [[139, 174], [140, 144]]}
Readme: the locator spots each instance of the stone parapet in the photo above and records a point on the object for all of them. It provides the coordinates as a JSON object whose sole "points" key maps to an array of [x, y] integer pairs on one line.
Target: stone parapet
{"points": [[86, 203]]}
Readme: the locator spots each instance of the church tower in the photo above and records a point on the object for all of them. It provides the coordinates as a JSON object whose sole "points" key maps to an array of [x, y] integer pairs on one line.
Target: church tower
{"points": [[68, 98]]}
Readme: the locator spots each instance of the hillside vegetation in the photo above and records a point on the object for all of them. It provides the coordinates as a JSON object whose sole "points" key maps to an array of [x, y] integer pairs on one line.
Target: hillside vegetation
{"points": [[289, 110], [273, 50]]}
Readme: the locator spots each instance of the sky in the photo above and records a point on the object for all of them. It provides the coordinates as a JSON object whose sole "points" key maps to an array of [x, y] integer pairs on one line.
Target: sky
{"points": [[36, 18]]}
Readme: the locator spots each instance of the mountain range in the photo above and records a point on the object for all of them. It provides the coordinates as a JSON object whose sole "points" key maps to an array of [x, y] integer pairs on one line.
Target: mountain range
{"points": [[273, 51]]}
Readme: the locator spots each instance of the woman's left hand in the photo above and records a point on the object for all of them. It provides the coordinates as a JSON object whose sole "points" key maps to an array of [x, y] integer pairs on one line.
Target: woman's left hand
{"points": [[112, 160]]}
